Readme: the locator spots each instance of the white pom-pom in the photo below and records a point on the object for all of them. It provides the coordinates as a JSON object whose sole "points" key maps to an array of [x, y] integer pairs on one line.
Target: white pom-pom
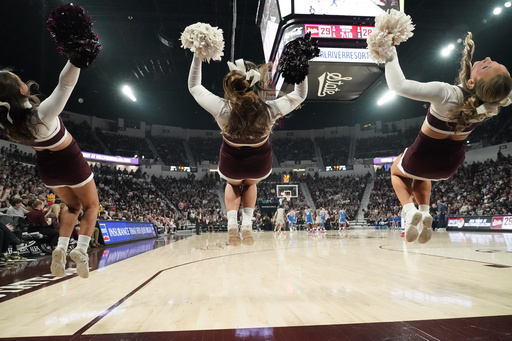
{"points": [[380, 46], [205, 41], [391, 28]]}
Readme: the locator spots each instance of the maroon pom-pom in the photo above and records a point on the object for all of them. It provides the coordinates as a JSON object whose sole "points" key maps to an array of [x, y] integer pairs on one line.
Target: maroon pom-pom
{"points": [[71, 28], [294, 62]]}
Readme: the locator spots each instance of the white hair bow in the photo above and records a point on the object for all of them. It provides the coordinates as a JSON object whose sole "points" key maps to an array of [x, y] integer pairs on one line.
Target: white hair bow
{"points": [[488, 108], [239, 66], [8, 106], [26, 105]]}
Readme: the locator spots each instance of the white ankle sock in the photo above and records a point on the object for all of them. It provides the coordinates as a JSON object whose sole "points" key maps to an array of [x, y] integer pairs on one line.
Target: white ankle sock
{"points": [[83, 242], [63, 242], [407, 208], [247, 216], [232, 218], [424, 208]]}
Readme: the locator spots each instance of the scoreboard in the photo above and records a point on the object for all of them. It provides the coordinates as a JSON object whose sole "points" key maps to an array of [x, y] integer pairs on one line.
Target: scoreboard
{"points": [[339, 31], [343, 71]]}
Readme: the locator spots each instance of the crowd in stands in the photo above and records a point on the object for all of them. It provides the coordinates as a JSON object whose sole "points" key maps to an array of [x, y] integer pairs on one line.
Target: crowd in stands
{"points": [[293, 149], [338, 192], [493, 131], [188, 194], [170, 150], [480, 188], [335, 150], [14, 154], [378, 146], [205, 149], [383, 206], [84, 136], [123, 145]]}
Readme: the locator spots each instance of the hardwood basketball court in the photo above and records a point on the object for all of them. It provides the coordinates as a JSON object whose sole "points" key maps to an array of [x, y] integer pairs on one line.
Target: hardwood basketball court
{"points": [[358, 284]]}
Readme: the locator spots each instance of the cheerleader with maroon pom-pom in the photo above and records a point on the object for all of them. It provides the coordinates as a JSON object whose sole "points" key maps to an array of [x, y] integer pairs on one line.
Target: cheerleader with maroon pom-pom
{"points": [[60, 162], [245, 116]]}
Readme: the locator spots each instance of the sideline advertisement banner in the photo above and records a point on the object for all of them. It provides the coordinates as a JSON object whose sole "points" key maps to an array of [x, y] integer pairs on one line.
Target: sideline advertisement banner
{"points": [[125, 231], [481, 223], [110, 158], [502, 223]]}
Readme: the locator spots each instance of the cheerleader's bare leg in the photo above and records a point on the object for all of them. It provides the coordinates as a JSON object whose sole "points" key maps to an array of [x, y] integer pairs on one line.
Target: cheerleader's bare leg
{"points": [[404, 190], [76, 199]]}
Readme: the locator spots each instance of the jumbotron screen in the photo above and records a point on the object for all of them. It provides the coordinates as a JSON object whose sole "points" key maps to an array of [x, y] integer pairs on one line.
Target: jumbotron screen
{"points": [[369, 8]]}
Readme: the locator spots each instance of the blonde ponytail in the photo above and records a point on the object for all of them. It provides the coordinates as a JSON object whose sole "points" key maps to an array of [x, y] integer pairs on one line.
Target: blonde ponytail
{"points": [[491, 91]]}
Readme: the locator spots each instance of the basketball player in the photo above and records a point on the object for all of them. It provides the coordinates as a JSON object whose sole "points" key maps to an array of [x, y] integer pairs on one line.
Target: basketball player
{"points": [[279, 219], [318, 221], [323, 217], [308, 218], [292, 219], [342, 222]]}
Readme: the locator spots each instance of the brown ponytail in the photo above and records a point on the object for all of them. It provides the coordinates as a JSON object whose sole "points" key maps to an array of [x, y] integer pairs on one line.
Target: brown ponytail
{"points": [[24, 120], [250, 118]]}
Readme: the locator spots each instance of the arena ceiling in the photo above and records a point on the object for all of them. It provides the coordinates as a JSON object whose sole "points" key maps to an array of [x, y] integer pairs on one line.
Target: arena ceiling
{"points": [[141, 48]]}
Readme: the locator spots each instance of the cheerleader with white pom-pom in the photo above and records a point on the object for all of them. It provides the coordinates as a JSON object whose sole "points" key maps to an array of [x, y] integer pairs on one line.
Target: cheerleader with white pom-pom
{"points": [[246, 120], [455, 111], [60, 162]]}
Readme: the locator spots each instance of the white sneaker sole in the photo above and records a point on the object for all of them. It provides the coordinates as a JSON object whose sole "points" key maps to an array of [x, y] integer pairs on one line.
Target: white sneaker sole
{"points": [[82, 263], [234, 237], [58, 267], [426, 229], [411, 231], [247, 238]]}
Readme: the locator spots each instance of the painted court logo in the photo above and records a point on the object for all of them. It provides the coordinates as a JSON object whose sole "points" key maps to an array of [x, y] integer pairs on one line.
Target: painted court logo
{"points": [[328, 83]]}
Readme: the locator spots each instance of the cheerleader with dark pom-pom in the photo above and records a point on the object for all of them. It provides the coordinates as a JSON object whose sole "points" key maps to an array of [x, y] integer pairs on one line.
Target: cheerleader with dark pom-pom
{"points": [[455, 110], [246, 119], [60, 162]]}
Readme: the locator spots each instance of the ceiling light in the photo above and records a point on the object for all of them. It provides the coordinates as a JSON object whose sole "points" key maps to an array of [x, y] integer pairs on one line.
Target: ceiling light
{"points": [[388, 96], [507, 4], [128, 92], [445, 52], [497, 10]]}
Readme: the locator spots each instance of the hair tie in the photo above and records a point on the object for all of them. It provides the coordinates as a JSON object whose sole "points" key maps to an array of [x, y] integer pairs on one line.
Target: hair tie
{"points": [[239, 66], [487, 107]]}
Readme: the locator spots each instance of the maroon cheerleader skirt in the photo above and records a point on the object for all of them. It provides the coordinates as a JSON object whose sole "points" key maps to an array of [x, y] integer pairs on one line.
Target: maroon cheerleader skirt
{"points": [[245, 163], [63, 168], [432, 159]]}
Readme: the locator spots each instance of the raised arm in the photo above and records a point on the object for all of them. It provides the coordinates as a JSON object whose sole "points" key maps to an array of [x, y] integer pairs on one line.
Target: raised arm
{"points": [[210, 102], [291, 101], [433, 92], [55, 103]]}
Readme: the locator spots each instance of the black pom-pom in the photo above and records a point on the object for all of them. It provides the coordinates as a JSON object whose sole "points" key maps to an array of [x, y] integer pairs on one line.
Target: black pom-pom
{"points": [[294, 62], [71, 28]]}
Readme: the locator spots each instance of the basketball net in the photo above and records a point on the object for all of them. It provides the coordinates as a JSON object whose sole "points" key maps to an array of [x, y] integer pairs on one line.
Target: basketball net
{"points": [[287, 196]]}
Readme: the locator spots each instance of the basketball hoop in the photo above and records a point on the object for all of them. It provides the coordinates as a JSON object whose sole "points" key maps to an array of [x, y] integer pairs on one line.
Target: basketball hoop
{"points": [[287, 196]]}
